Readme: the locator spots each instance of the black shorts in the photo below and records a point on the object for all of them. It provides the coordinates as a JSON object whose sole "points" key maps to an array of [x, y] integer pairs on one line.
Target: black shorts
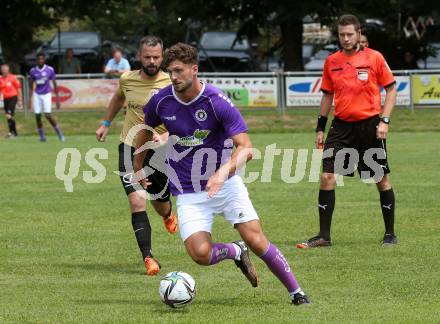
{"points": [[9, 105], [158, 189], [351, 146]]}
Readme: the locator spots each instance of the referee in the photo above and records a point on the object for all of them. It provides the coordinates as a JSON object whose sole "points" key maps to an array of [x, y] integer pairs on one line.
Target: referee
{"points": [[10, 89], [352, 77]]}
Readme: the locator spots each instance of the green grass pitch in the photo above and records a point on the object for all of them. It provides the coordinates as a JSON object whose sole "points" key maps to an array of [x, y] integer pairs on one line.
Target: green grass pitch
{"points": [[72, 257]]}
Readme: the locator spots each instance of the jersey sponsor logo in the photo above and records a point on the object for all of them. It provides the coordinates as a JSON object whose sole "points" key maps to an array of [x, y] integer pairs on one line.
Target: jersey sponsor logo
{"points": [[201, 115], [362, 75], [196, 139], [169, 117]]}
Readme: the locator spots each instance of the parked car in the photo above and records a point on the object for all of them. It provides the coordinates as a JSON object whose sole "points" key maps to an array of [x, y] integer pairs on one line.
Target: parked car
{"points": [[431, 62], [317, 61], [225, 52], [87, 46]]}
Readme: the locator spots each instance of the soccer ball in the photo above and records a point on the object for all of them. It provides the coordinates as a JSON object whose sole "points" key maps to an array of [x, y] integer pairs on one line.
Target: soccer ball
{"points": [[177, 289]]}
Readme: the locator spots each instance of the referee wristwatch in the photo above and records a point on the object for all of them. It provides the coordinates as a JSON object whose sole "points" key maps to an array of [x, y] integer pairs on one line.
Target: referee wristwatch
{"points": [[385, 120]]}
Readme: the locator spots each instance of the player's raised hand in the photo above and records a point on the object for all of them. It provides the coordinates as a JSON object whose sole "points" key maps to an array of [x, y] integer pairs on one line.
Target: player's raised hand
{"points": [[145, 183], [101, 133], [319, 140], [140, 177], [215, 183], [382, 130]]}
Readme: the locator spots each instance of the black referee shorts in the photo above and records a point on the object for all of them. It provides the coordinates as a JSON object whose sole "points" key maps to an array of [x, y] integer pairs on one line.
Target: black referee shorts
{"points": [[351, 146], [158, 189], [9, 105]]}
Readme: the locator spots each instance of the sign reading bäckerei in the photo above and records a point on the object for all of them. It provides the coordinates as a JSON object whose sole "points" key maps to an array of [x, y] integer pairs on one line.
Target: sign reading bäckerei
{"points": [[247, 91], [306, 91]]}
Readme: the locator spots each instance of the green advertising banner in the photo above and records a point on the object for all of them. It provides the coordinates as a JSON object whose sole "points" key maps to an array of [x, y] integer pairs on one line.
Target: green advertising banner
{"points": [[246, 91]]}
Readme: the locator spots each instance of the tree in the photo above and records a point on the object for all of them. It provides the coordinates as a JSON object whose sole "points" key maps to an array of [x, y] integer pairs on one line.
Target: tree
{"points": [[18, 22]]}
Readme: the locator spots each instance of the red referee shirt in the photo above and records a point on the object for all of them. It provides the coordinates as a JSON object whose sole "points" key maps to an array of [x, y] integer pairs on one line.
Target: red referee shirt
{"points": [[9, 86], [355, 81]]}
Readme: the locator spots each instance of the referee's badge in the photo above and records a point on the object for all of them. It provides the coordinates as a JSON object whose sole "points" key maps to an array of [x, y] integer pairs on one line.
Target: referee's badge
{"points": [[201, 115], [363, 75]]}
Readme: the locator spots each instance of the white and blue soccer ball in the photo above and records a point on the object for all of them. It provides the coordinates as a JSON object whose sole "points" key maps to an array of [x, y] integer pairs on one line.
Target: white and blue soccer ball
{"points": [[177, 289]]}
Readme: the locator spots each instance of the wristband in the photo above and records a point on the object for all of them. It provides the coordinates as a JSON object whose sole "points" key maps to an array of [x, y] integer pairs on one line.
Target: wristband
{"points": [[320, 125], [107, 123]]}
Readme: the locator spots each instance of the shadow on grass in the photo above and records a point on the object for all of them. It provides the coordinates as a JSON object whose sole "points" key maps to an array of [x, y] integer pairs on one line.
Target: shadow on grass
{"points": [[104, 267], [108, 301]]}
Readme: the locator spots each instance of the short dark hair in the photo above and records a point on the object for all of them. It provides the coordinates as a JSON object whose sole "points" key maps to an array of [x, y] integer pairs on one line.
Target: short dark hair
{"points": [[116, 49], [150, 41], [183, 52], [40, 54], [346, 20]]}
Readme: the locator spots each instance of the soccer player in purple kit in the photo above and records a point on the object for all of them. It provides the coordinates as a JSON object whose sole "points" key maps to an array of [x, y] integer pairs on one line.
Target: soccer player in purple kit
{"points": [[202, 120], [41, 97]]}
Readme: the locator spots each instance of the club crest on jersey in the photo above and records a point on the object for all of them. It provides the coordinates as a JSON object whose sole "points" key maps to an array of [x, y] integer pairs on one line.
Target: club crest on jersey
{"points": [[196, 139], [201, 115], [363, 75]]}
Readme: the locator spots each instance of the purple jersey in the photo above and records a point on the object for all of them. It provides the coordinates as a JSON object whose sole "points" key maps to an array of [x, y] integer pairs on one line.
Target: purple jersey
{"points": [[42, 78], [199, 132]]}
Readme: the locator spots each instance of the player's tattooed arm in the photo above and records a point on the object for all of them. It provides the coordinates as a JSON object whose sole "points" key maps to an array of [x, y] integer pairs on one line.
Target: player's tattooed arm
{"points": [[143, 136], [115, 105]]}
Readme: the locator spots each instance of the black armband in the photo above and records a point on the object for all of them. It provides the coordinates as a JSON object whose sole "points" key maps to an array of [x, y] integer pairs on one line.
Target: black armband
{"points": [[320, 125]]}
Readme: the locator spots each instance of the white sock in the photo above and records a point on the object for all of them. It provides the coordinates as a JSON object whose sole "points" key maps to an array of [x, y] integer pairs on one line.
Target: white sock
{"points": [[293, 293], [237, 252]]}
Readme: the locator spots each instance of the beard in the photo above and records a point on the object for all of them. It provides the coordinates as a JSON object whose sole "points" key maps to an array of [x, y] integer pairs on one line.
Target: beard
{"points": [[183, 86], [150, 70]]}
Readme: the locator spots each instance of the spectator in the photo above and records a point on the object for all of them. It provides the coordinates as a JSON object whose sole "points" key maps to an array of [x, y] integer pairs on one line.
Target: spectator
{"points": [[69, 64], [364, 41], [409, 61], [117, 65]]}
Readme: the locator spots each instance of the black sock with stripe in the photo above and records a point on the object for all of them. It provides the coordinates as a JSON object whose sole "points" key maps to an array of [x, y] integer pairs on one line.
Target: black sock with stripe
{"points": [[326, 205], [387, 201]]}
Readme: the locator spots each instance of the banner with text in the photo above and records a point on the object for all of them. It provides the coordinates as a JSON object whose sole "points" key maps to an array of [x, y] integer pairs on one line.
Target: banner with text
{"points": [[247, 91], [85, 93], [306, 91], [426, 89]]}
